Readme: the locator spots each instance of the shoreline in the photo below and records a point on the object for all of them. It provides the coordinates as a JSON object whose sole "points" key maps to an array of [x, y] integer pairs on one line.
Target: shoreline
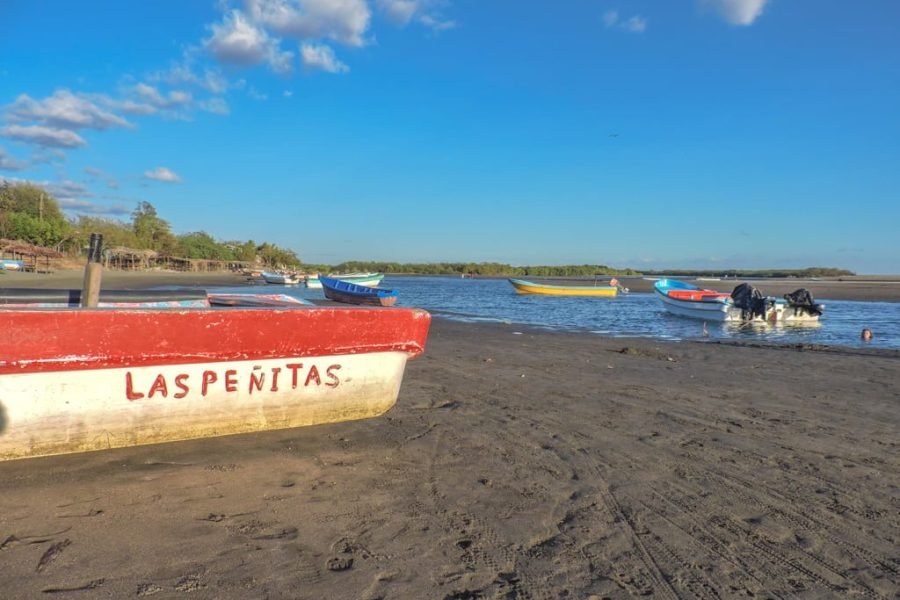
{"points": [[516, 463], [863, 288]]}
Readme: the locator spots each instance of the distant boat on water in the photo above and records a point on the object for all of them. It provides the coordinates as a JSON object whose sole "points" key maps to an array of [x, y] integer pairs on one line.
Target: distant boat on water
{"points": [[529, 287]]}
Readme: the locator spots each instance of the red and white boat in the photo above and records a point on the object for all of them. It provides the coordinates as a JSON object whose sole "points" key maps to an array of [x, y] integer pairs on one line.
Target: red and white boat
{"points": [[74, 380]]}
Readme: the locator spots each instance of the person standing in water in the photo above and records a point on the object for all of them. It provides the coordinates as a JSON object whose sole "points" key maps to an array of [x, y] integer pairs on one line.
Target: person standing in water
{"points": [[866, 335]]}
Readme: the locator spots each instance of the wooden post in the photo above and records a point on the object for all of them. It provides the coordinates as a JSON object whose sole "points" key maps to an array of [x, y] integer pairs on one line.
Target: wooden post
{"points": [[93, 272]]}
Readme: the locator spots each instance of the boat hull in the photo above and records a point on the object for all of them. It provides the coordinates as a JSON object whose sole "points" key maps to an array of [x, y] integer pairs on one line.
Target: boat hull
{"points": [[528, 287], [85, 380], [708, 311]]}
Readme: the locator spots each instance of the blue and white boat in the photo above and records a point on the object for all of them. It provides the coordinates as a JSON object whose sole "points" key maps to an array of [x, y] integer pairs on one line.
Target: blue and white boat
{"points": [[350, 293], [687, 300]]}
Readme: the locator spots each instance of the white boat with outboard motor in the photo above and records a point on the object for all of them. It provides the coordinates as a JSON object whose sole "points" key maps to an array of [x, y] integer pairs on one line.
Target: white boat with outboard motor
{"points": [[744, 304]]}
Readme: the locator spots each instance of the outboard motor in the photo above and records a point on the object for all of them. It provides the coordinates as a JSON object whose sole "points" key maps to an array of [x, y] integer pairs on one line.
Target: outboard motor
{"points": [[750, 300], [801, 299]]}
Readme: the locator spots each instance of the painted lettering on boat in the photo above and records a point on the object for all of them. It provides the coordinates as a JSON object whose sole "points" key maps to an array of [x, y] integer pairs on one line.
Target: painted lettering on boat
{"points": [[140, 386]]}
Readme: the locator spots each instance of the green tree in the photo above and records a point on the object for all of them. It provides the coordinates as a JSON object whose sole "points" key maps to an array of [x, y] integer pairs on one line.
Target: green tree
{"points": [[202, 245], [31, 214], [273, 256], [151, 231]]}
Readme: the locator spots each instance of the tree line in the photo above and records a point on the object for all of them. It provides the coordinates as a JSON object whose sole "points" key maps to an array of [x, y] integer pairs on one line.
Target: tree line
{"points": [[28, 213]]}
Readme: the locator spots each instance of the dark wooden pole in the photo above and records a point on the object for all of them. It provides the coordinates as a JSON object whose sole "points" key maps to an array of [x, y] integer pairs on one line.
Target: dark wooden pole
{"points": [[93, 272]]}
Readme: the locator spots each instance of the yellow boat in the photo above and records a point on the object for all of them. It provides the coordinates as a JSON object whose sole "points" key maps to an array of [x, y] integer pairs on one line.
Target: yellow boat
{"points": [[528, 287]]}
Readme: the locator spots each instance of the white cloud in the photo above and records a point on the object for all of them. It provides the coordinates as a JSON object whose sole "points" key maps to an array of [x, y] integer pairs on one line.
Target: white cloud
{"points": [[635, 24], [217, 106], [738, 12], [64, 110], [287, 93], [237, 41], [130, 107], [319, 56], [43, 136], [399, 11], [426, 12], [162, 174], [344, 21], [152, 96], [437, 24], [8, 163]]}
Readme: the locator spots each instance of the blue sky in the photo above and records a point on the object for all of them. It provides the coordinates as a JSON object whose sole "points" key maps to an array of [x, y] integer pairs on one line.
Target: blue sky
{"points": [[646, 134]]}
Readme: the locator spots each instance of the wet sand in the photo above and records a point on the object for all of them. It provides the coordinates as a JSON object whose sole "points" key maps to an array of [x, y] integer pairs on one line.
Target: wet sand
{"points": [[516, 464]]}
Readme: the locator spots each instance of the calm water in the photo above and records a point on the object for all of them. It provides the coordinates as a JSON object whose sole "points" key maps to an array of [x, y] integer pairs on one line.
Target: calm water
{"points": [[633, 314]]}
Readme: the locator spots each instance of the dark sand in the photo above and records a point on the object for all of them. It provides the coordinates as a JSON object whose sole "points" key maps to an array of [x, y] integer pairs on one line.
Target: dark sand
{"points": [[516, 464]]}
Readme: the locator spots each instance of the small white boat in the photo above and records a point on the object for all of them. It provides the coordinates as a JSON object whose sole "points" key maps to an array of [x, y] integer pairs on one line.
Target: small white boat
{"points": [[686, 300], [281, 278]]}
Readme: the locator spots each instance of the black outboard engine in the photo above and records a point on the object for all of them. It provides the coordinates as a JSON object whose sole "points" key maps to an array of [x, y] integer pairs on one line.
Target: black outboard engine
{"points": [[750, 300], [802, 300]]}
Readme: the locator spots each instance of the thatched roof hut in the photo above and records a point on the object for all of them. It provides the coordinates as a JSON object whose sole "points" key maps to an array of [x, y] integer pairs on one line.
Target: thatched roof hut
{"points": [[29, 253], [121, 257]]}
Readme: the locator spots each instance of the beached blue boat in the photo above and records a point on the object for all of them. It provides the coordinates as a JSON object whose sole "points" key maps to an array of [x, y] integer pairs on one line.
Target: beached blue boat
{"points": [[351, 293], [366, 279]]}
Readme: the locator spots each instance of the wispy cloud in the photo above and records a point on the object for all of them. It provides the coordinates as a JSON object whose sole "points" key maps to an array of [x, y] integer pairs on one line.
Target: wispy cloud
{"points": [[47, 137], [217, 106], [64, 110], [633, 24], [738, 12], [426, 12], [96, 174], [186, 72], [152, 96], [343, 21], [87, 207], [237, 41], [9, 163], [319, 56], [162, 174]]}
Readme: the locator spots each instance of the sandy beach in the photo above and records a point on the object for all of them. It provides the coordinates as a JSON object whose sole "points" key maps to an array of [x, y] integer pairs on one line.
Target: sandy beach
{"points": [[516, 464]]}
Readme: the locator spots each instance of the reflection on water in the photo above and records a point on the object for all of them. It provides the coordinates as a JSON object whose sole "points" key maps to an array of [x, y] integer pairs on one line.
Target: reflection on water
{"points": [[639, 315]]}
